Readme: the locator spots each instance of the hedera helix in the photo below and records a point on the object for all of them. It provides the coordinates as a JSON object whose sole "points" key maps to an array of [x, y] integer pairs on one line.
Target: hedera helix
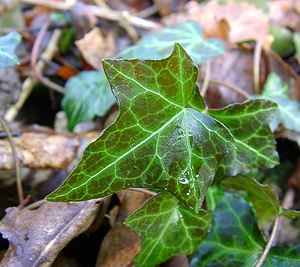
{"points": [[166, 139]]}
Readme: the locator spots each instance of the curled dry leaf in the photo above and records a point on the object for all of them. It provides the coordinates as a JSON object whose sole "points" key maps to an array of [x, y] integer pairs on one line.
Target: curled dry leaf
{"points": [[37, 236], [285, 13], [39, 150], [120, 245], [95, 45], [233, 22]]}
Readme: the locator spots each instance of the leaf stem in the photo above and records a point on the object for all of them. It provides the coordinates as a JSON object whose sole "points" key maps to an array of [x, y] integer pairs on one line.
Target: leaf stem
{"points": [[143, 190], [35, 53], [256, 64], [269, 244], [206, 79], [231, 87], [16, 162]]}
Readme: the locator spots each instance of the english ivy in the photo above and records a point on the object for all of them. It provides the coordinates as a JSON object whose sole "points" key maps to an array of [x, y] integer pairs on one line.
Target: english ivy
{"points": [[88, 94], [8, 44], [166, 139]]}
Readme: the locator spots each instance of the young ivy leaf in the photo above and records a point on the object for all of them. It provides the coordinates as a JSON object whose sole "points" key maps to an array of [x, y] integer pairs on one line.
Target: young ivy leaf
{"points": [[263, 198], [87, 95], [166, 229], [235, 239], [160, 140], [249, 124], [288, 110], [8, 44], [160, 43]]}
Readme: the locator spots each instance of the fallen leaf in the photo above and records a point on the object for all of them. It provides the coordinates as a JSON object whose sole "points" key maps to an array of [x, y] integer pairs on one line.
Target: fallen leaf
{"points": [[120, 245], [37, 236], [95, 46], [229, 68], [39, 150], [285, 13], [245, 21]]}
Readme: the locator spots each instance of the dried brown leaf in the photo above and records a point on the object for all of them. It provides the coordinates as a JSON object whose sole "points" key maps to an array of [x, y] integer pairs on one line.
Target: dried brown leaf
{"points": [[233, 22], [285, 13], [95, 46], [37, 236], [229, 68], [39, 150], [120, 245]]}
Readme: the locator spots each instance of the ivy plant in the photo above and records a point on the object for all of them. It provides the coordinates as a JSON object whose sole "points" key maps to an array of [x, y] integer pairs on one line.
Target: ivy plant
{"points": [[167, 140], [8, 44], [80, 103]]}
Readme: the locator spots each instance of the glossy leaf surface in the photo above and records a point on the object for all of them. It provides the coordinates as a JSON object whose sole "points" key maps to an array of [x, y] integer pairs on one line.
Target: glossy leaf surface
{"points": [[235, 239], [87, 95], [288, 112], [249, 124], [8, 44], [160, 140], [159, 44], [160, 223]]}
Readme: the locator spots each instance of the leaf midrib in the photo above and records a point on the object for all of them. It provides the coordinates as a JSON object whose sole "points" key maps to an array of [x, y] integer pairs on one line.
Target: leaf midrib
{"points": [[126, 153]]}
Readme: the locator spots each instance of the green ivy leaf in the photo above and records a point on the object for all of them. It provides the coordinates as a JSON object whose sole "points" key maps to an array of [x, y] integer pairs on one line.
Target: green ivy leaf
{"points": [[291, 214], [159, 44], [160, 140], [87, 95], [263, 198], [235, 239], [155, 45], [288, 112], [249, 124], [8, 44], [166, 229]]}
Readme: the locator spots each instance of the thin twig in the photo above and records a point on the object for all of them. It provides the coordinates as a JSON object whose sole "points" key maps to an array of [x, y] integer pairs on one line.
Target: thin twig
{"points": [[34, 57], [269, 244], [30, 82], [147, 12], [142, 190], [16, 161], [206, 79], [98, 11], [231, 87], [256, 64]]}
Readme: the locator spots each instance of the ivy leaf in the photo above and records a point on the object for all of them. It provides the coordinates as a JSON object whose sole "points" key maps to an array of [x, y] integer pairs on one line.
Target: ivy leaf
{"points": [[166, 229], [8, 44], [160, 43], [263, 198], [249, 124], [160, 140], [87, 95], [235, 239], [288, 112]]}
